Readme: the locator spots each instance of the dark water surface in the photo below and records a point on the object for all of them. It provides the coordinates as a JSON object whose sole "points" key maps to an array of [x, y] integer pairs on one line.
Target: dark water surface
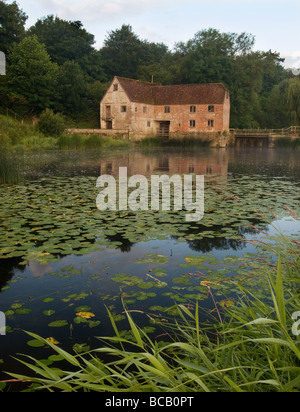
{"points": [[60, 256]]}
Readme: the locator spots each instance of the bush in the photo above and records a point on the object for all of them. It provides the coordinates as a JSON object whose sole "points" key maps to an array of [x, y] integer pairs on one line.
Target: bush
{"points": [[51, 124]]}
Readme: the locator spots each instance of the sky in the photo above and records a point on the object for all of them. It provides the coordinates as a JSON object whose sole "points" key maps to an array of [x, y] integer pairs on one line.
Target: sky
{"points": [[274, 23]]}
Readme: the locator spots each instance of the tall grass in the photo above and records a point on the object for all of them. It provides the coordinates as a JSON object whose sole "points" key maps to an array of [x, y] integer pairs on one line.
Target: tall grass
{"points": [[13, 131], [252, 350], [8, 170], [184, 142]]}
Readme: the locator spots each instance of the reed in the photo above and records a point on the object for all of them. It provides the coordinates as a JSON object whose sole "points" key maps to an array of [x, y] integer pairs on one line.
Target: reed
{"points": [[184, 142], [8, 171]]}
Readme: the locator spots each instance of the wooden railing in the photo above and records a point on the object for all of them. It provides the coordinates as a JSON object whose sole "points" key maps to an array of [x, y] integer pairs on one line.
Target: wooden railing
{"points": [[288, 131]]}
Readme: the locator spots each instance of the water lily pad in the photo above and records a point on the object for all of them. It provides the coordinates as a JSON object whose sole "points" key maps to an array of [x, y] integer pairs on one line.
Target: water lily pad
{"points": [[153, 258], [48, 312], [23, 311], [81, 347], [35, 343], [58, 324], [47, 300]]}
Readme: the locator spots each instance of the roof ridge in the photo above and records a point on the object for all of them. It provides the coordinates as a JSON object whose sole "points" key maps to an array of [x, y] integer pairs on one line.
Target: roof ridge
{"points": [[153, 93], [170, 85], [138, 81]]}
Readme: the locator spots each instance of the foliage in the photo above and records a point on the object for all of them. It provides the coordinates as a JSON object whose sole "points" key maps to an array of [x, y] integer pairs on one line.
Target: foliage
{"points": [[64, 40], [124, 52], [71, 89], [12, 131], [12, 25], [51, 124], [32, 75]]}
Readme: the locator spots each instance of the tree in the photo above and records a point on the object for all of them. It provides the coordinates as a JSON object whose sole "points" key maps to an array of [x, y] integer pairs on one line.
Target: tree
{"points": [[31, 76], [211, 56], [64, 40], [12, 25], [124, 52], [290, 89], [71, 89]]}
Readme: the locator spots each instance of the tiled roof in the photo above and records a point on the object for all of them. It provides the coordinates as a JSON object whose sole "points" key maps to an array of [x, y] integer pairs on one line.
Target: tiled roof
{"points": [[152, 93]]}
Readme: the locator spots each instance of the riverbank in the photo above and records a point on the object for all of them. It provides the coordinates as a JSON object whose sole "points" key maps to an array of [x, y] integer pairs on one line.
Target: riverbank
{"points": [[17, 136]]}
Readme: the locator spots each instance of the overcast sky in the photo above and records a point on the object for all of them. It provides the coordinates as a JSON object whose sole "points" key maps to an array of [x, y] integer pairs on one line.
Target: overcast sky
{"points": [[274, 23]]}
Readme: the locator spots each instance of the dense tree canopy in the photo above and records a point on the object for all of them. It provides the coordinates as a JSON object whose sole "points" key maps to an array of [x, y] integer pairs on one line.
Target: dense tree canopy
{"points": [[124, 52], [55, 65], [64, 40], [32, 76], [12, 25]]}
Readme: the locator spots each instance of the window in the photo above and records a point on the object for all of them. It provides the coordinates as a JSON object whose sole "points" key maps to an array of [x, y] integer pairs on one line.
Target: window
{"points": [[116, 87], [123, 109], [167, 109], [192, 123], [211, 123], [192, 109], [149, 124], [211, 108], [144, 109]]}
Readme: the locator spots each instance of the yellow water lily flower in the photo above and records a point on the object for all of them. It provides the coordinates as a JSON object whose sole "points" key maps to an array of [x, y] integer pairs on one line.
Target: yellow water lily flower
{"points": [[226, 303], [85, 315], [52, 340], [207, 283]]}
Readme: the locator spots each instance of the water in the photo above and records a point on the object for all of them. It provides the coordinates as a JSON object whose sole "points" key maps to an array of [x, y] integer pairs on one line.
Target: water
{"points": [[60, 256]]}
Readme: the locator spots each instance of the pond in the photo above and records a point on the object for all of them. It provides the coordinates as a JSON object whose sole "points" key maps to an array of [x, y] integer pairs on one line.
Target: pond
{"points": [[63, 262]]}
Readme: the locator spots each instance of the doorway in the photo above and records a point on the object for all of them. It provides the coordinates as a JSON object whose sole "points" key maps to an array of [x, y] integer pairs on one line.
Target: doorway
{"points": [[163, 129]]}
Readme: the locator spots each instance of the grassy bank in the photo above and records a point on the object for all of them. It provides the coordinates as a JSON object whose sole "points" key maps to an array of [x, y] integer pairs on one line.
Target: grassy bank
{"points": [[16, 136], [251, 346], [25, 136]]}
